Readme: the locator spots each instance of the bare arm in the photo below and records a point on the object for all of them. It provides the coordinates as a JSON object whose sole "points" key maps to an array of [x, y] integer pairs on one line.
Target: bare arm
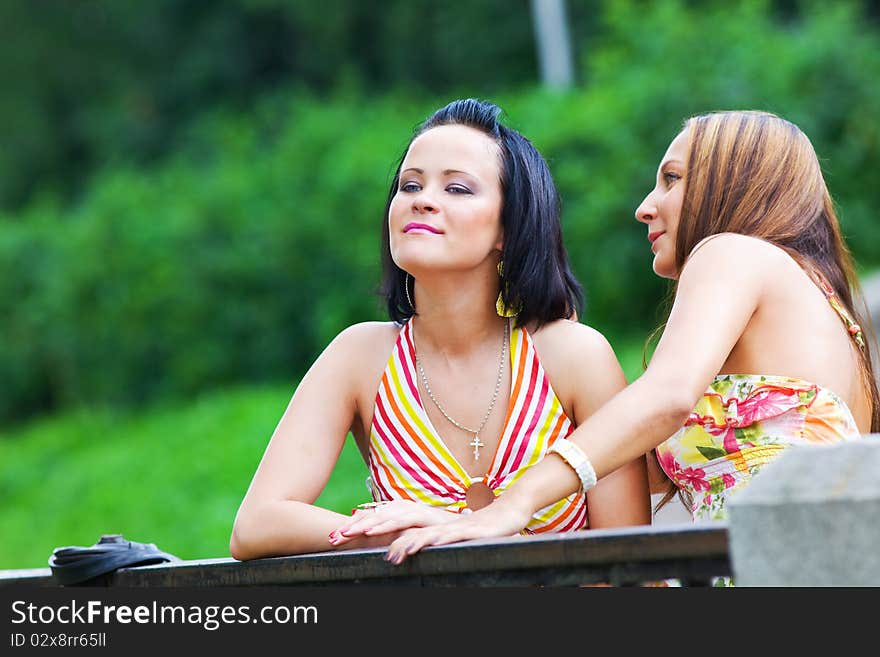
{"points": [[586, 374], [277, 515], [710, 313]]}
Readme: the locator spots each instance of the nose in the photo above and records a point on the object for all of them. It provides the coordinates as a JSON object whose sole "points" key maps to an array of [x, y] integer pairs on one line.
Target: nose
{"points": [[424, 204], [647, 209]]}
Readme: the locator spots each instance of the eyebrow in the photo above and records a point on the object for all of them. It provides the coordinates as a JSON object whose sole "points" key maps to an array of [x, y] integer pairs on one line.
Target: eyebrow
{"points": [[670, 161], [446, 172]]}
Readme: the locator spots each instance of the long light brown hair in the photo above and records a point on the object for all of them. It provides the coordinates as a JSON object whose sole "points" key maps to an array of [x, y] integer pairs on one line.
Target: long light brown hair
{"points": [[756, 174]]}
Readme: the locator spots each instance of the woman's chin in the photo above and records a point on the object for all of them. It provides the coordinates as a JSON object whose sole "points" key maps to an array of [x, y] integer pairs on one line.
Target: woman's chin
{"points": [[663, 269]]}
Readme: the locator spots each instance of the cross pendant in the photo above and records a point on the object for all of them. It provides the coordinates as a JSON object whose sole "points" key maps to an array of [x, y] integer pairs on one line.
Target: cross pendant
{"points": [[476, 444]]}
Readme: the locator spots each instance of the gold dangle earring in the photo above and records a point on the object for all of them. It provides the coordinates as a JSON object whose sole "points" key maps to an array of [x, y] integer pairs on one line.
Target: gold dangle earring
{"points": [[502, 309], [406, 287]]}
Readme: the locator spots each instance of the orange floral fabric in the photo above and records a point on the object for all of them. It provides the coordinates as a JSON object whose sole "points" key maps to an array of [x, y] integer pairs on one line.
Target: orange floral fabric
{"points": [[742, 422]]}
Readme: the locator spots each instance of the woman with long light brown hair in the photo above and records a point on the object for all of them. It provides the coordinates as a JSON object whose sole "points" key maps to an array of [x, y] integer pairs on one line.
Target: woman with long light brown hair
{"points": [[763, 347]]}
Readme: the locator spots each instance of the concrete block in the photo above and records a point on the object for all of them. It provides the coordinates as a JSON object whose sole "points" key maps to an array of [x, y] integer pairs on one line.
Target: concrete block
{"points": [[810, 518]]}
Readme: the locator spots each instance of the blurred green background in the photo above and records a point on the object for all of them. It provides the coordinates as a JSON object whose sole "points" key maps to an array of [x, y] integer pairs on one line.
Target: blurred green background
{"points": [[174, 175]]}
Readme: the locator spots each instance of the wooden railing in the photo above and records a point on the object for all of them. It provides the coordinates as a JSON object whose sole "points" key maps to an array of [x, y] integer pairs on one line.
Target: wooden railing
{"points": [[632, 556]]}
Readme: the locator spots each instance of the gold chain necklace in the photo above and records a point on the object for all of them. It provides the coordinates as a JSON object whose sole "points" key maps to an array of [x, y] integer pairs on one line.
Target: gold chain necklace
{"points": [[475, 443]]}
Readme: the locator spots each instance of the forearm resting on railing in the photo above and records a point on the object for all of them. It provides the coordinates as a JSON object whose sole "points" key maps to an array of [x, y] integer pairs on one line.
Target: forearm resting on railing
{"points": [[287, 527]]}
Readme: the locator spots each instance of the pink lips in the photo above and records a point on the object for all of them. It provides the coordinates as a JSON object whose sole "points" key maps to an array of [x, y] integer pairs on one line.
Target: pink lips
{"points": [[652, 237], [421, 228]]}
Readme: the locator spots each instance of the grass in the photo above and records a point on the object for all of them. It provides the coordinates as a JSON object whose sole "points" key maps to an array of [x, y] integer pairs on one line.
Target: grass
{"points": [[172, 475]]}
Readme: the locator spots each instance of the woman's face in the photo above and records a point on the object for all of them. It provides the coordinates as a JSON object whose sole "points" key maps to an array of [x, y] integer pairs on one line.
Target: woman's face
{"points": [[446, 214], [661, 209]]}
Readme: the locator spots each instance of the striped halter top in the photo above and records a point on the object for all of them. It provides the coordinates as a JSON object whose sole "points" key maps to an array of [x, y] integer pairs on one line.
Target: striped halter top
{"points": [[409, 460]]}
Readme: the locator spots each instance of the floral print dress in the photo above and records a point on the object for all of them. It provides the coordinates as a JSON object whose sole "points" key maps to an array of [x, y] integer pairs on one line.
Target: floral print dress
{"points": [[742, 422]]}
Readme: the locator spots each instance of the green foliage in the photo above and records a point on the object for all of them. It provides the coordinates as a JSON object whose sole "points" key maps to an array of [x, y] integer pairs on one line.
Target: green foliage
{"points": [[90, 83], [174, 476], [239, 258]]}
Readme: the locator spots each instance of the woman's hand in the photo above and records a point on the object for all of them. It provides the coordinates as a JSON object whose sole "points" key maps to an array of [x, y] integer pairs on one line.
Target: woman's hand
{"points": [[389, 517], [496, 520]]}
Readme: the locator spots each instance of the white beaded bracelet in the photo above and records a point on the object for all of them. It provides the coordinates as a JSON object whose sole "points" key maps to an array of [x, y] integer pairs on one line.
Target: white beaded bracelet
{"points": [[574, 456]]}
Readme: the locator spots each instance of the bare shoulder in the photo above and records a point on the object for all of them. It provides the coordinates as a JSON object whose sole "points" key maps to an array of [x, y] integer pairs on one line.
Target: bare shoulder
{"points": [[369, 334], [366, 342], [574, 352], [744, 251], [360, 354], [360, 350], [581, 365], [565, 341]]}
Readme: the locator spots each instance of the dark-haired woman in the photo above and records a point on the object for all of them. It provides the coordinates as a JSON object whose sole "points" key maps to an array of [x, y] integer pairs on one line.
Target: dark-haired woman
{"points": [[481, 371], [763, 348]]}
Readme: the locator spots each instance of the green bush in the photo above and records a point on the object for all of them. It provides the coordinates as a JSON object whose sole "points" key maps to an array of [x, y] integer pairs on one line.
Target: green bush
{"points": [[241, 257]]}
